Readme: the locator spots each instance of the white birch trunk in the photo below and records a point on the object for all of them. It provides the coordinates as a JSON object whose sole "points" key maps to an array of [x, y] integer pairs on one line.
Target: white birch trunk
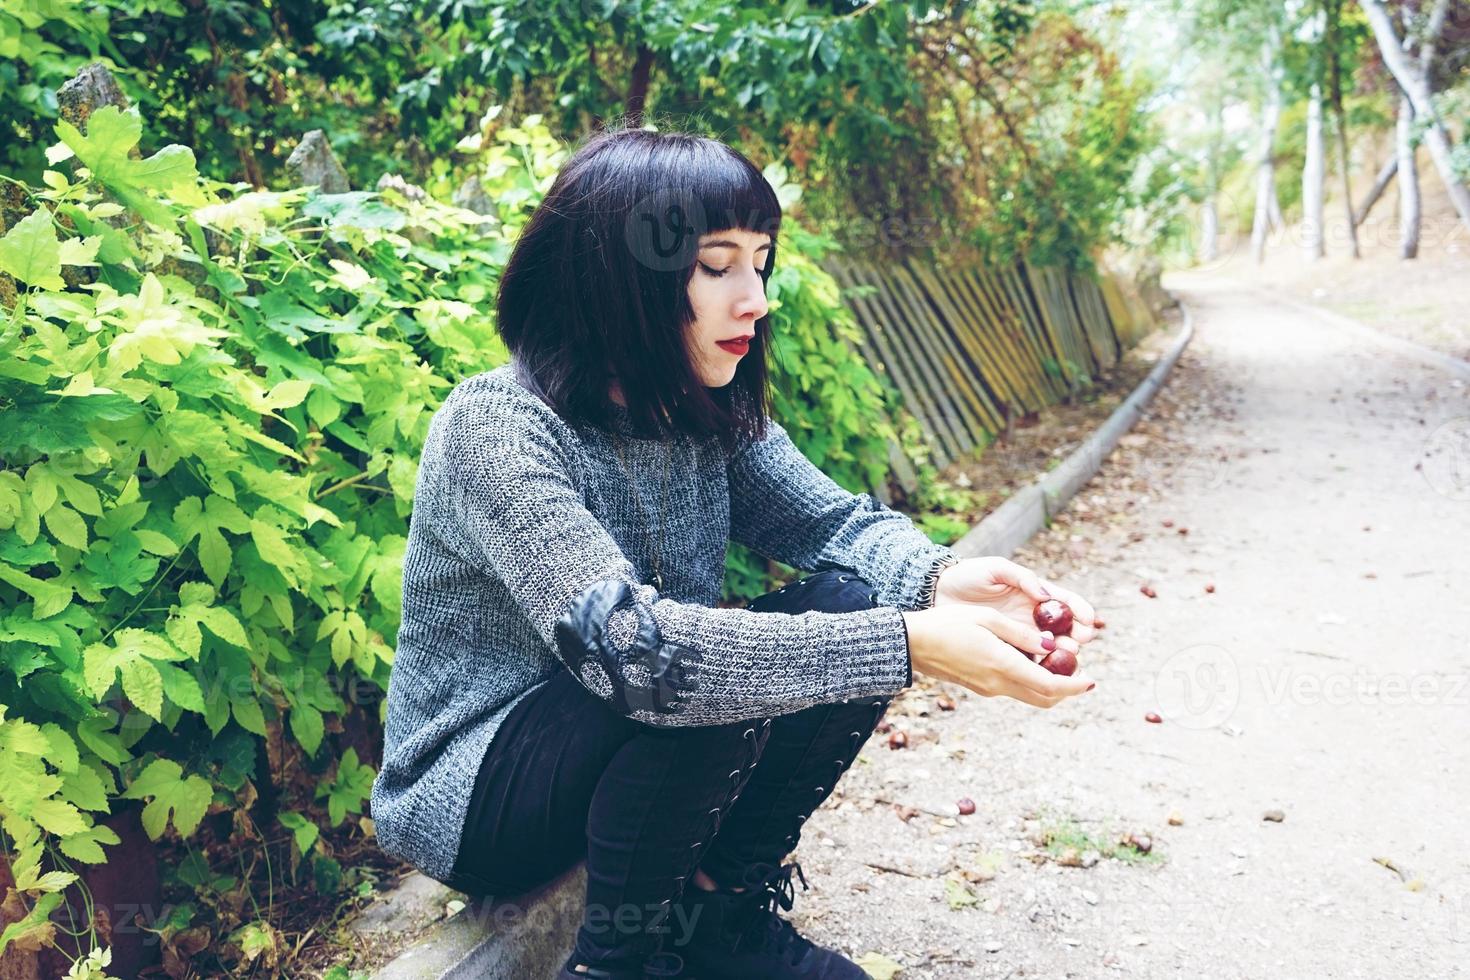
{"points": [[1414, 82], [1408, 174], [1314, 178], [1380, 184], [1209, 246], [1265, 171]]}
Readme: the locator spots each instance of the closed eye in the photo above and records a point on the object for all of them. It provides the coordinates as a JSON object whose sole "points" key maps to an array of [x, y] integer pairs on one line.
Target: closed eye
{"points": [[717, 273]]}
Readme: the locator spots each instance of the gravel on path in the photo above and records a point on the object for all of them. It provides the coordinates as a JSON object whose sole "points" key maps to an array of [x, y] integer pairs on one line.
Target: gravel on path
{"points": [[1292, 496]]}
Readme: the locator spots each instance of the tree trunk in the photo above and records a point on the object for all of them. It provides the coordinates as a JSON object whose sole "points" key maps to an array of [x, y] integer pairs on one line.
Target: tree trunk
{"points": [[1409, 206], [1209, 245], [1414, 82], [1314, 177], [1334, 78], [1265, 176], [1380, 184], [638, 87]]}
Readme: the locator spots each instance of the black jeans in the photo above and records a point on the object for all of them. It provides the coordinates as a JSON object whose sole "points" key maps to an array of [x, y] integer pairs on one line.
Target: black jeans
{"points": [[567, 778]]}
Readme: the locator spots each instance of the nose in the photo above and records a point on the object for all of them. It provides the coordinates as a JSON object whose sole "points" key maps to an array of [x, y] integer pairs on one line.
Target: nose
{"points": [[752, 300]]}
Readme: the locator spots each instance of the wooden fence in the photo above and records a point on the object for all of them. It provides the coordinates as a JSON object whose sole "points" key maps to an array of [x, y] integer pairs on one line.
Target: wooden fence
{"points": [[971, 349]]}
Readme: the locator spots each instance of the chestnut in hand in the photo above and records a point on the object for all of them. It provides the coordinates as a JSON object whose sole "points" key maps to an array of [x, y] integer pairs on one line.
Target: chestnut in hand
{"points": [[1060, 661], [1054, 615]]}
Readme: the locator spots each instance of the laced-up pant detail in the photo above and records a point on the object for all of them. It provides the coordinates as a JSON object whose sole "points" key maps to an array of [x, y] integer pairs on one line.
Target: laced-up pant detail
{"points": [[567, 778]]}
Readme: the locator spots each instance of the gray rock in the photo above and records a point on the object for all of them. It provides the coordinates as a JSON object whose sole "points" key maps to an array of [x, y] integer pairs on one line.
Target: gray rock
{"points": [[412, 903], [313, 164], [88, 90]]}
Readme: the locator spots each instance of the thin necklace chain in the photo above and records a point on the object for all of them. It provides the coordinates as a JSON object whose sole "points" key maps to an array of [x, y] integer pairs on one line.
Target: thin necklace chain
{"points": [[657, 578]]}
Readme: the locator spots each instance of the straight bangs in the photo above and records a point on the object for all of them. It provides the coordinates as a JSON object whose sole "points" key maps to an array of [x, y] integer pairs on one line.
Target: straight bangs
{"points": [[596, 288]]}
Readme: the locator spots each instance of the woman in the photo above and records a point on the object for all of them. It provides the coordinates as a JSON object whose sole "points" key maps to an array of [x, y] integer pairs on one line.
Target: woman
{"points": [[564, 686]]}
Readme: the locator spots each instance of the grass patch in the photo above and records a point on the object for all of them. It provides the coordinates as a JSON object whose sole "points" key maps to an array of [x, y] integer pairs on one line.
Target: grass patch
{"points": [[1059, 834]]}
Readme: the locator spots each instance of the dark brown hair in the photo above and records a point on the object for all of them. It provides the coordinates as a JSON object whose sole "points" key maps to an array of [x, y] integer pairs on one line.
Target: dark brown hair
{"points": [[596, 287]]}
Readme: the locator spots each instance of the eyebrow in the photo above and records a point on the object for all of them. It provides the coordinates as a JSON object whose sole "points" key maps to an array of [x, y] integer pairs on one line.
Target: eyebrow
{"points": [[725, 243]]}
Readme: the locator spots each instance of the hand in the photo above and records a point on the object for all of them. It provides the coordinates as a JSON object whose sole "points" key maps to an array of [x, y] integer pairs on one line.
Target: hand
{"points": [[1012, 590], [984, 650]]}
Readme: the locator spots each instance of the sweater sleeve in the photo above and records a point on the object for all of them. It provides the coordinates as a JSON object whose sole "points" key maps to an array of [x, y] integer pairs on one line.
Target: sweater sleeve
{"points": [[784, 507], [505, 496]]}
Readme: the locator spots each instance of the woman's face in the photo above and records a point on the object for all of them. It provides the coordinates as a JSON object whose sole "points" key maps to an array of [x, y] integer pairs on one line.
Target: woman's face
{"points": [[728, 297]]}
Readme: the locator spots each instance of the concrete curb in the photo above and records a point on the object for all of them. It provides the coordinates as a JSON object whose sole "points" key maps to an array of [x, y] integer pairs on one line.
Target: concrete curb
{"points": [[1418, 352], [1027, 511], [530, 935]]}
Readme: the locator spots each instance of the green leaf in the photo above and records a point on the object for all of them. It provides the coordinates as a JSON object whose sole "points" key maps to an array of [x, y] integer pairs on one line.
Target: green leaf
{"points": [[94, 734], [85, 845], [143, 686], [274, 548], [249, 716], [214, 555], [31, 252], [58, 817], [185, 799], [356, 209], [104, 149], [155, 543], [353, 784], [302, 829], [61, 750], [67, 526], [51, 597], [87, 789], [181, 687], [306, 725]]}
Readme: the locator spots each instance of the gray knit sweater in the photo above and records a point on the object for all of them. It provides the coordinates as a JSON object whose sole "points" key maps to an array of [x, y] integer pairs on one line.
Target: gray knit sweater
{"points": [[527, 553]]}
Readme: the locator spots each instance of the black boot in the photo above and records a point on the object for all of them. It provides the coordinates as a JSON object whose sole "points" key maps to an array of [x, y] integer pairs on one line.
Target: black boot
{"points": [[658, 965], [738, 935]]}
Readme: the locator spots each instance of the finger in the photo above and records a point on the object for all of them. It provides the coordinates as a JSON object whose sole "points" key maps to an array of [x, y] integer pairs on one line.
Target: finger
{"points": [[1025, 695], [1023, 636], [1083, 615], [1043, 682], [1020, 577]]}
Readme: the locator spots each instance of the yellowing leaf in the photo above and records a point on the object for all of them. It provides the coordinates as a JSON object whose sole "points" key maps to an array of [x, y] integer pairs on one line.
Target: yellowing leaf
{"points": [[57, 817], [143, 686], [31, 253], [878, 966], [248, 213], [80, 251], [80, 386], [349, 276]]}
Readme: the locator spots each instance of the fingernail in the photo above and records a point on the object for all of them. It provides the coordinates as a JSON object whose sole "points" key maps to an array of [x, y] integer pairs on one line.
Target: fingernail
{"points": [[1047, 642], [1045, 594], [1090, 686]]}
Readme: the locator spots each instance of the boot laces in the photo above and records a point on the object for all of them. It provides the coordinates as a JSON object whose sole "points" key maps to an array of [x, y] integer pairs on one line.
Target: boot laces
{"points": [[663, 964], [775, 890]]}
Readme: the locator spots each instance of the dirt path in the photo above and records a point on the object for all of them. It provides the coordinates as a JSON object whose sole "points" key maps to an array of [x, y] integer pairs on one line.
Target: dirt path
{"points": [[1328, 677]]}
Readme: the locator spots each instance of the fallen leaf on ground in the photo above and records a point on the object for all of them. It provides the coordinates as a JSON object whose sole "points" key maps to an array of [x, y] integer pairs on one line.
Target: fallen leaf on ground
{"points": [[878, 966], [958, 894]]}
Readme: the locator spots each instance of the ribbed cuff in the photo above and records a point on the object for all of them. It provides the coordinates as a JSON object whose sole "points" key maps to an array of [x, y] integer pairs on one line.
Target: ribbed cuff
{"points": [[930, 584], [908, 680]]}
